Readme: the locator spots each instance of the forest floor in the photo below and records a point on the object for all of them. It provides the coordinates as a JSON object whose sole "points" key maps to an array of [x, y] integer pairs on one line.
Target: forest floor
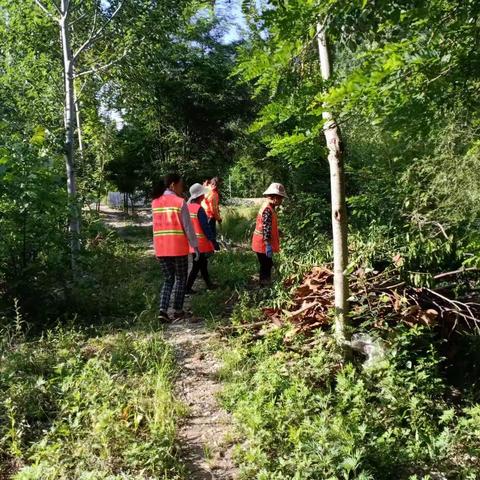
{"points": [[205, 436]]}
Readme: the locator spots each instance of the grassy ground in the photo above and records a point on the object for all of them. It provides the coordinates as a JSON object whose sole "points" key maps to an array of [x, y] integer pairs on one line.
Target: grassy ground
{"points": [[238, 223], [92, 398], [304, 413]]}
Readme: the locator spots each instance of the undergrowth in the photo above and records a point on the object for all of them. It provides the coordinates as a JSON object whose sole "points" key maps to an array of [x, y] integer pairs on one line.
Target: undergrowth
{"points": [[238, 223], [306, 414], [88, 394], [77, 406]]}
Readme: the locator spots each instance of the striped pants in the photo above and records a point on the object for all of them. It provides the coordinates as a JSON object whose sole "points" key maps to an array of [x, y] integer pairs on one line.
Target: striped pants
{"points": [[175, 271]]}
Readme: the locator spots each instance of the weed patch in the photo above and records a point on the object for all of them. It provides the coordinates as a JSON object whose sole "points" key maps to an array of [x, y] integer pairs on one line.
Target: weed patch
{"points": [[79, 407], [306, 414]]}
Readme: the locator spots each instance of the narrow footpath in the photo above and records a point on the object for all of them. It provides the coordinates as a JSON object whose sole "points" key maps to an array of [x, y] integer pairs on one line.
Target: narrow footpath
{"points": [[205, 436]]}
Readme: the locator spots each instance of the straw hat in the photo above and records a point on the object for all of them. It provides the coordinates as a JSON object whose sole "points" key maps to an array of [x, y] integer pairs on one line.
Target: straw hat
{"points": [[276, 189], [197, 190]]}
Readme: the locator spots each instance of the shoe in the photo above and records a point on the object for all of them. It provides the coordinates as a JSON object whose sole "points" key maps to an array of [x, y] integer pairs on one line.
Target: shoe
{"points": [[163, 316], [191, 291], [179, 315]]}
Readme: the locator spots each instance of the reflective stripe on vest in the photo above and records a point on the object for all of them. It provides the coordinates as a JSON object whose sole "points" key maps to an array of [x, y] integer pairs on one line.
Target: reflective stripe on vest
{"points": [[169, 238], [204, 244], [258, 245]]}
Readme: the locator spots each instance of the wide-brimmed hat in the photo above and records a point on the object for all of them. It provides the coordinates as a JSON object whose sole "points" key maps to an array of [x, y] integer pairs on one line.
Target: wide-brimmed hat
{"points": [[276, 189], [197, 190]]}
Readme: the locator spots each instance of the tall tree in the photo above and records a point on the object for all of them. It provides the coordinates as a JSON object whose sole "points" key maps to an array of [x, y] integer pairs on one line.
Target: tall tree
{"points": [[331, 131], [181, 107], [61, 13]]}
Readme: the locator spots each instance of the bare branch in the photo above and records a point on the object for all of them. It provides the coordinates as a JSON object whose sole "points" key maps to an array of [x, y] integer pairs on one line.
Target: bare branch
{"points": [[57, 7], [45, 10], [102, 67], [79, 94], [454, 272], [440, 226], [94, 36], [94, 26], [73, 22]]}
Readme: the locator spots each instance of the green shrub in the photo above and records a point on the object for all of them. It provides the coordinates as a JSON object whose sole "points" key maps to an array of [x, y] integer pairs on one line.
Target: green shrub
{"points": [[79, 407], [310, 416]]}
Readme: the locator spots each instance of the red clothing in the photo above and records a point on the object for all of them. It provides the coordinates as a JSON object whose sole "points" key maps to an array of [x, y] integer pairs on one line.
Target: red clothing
{"points": [[258, 242], [169, 238], [211, 204]]}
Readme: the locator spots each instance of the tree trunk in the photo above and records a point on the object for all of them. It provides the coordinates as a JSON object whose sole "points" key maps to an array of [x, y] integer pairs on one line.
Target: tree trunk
{"points": [[79, 123], [339, 210], [69, 113]]}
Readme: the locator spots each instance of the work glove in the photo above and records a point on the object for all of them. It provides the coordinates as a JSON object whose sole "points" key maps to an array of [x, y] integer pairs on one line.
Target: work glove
{"points": [[196, 255], [269, 251]]}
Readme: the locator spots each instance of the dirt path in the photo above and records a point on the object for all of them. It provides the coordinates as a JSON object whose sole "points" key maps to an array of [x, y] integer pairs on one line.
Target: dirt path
{"points": [[205, 436]]}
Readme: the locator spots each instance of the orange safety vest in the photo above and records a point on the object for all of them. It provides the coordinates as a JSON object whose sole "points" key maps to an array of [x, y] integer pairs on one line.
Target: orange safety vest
{"points": [[169, 238], [210, 204], [204, 244], [258, 245]]}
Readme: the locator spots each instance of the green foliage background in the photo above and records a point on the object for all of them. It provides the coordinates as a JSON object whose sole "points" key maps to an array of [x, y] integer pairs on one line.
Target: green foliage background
{"points": [[176, 96]]}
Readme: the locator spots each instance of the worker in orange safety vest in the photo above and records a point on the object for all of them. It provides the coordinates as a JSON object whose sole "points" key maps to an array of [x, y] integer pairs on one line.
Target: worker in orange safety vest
{"points": [[173, 236], [205, 237], [266, 237], [211, 204]]}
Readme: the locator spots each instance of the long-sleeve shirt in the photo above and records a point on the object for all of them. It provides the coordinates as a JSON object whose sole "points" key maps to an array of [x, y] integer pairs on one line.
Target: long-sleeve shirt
{"points": [[267, 225], [203, 219], [186, 222]]}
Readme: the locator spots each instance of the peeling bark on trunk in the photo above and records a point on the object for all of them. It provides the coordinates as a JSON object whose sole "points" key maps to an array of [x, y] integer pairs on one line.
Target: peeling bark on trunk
{"points": [[339, 210]]}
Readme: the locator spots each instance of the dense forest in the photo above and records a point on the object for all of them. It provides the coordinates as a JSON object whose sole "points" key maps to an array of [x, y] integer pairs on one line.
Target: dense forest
{"points": [[362, 360]]}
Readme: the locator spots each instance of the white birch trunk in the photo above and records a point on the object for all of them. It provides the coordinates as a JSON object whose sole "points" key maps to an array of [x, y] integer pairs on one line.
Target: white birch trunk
{"points": [[69, 113], [79, 123], [339, 210]]}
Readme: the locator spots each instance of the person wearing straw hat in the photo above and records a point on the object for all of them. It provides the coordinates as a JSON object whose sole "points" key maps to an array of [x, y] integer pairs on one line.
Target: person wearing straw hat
{"points": [[266, 237], [205, 237]]}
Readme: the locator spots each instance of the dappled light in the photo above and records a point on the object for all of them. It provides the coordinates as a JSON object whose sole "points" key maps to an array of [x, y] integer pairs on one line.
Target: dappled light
{"points": [[239, 240]]}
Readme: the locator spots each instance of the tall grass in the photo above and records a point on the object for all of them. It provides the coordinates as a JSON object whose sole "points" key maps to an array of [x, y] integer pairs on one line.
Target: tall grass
{"points": [[92, 397], [238, 224]]}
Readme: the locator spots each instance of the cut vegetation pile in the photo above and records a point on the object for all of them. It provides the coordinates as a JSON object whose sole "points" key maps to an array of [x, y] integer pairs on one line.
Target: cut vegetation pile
{"points": [[453, 304]]}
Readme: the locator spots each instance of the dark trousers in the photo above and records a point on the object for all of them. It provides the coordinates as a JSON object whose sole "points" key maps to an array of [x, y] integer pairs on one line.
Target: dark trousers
{"points": [[213, 227], [266, 265], [201, 265], [175, 270]]}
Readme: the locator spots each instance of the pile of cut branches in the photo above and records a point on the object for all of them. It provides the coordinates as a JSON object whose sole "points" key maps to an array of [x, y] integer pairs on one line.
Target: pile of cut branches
{"points": [[383, 300]]}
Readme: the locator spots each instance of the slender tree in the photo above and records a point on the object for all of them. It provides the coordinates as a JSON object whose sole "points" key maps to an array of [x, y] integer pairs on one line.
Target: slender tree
{"points": [[332, 134], [62, 16]]}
